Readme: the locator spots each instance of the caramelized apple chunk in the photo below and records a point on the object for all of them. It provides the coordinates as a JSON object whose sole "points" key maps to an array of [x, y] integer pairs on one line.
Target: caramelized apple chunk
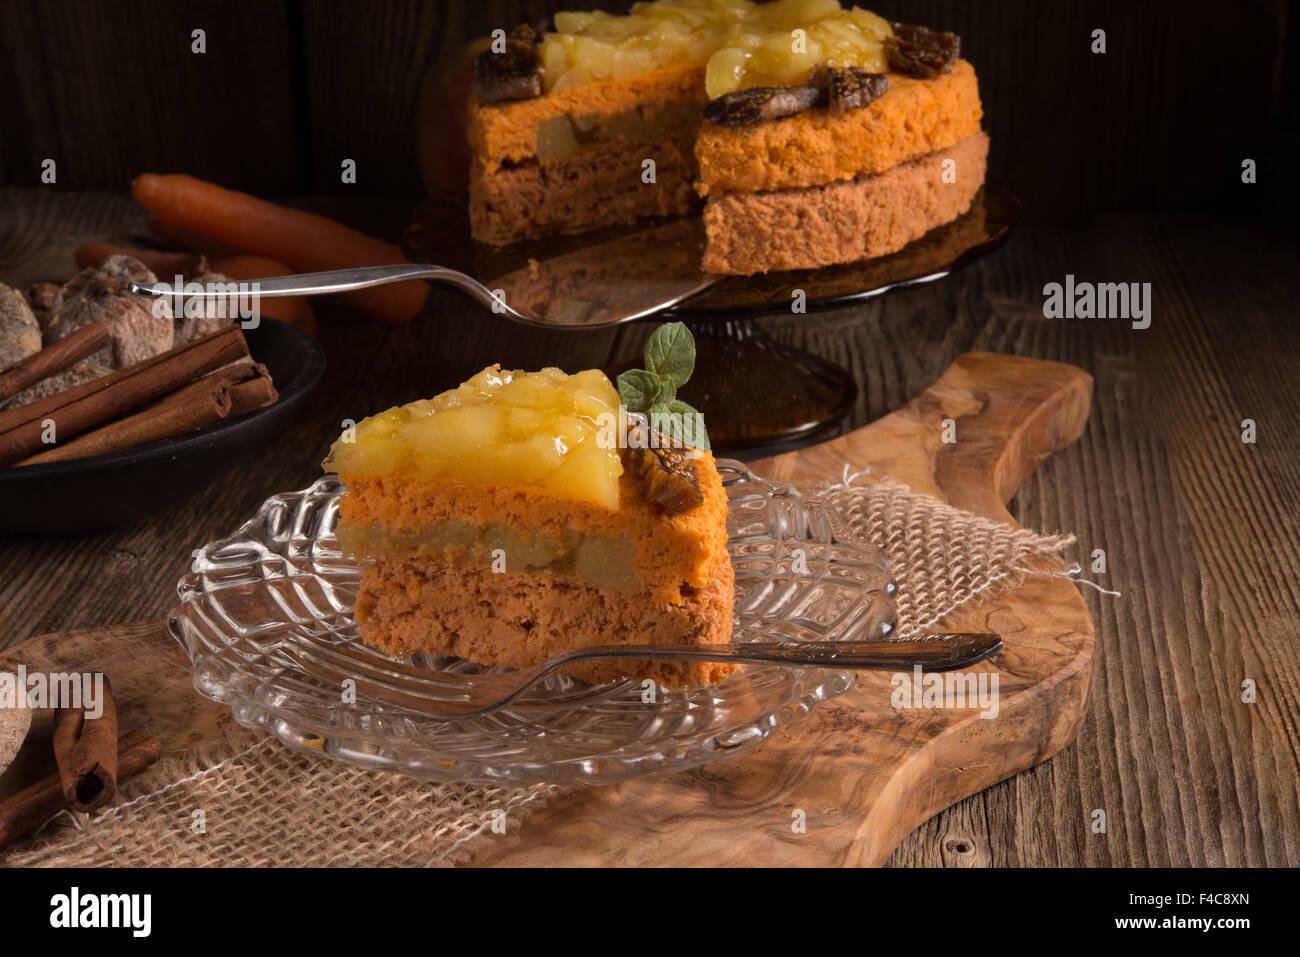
{"points": [[779, 44], [741, 44]]}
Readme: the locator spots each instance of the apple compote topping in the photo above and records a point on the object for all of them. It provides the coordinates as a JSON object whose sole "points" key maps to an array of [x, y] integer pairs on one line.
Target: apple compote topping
{"points": [[779, 44], [596, 47], [501, 427]]}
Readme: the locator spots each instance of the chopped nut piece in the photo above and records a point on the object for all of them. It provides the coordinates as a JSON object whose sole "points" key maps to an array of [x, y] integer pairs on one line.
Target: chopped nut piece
{"points": [[920, 51], [513, 74], [849, 88], [667, 475], [760, 103]]}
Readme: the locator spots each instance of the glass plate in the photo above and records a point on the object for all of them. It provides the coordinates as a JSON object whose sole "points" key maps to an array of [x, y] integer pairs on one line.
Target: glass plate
{"points": [[281, 582]]}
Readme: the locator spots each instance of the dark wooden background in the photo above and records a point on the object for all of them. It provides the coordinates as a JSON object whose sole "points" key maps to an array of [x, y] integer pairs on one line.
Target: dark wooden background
{"points": [[287, 90], [1130, 168]]}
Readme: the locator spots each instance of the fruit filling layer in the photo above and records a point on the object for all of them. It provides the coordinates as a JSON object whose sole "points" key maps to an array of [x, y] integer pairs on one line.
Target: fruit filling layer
{"points": [[740, 44], [601, 560], [540, 430], [561, 136]]}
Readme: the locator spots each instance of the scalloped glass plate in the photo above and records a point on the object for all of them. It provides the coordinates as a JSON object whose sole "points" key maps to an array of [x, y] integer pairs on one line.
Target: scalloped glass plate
{"points": [[281, 582]]}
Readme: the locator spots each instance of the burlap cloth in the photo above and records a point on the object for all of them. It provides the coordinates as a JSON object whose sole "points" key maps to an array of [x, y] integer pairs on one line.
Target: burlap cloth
{"points": [[248, 801]]}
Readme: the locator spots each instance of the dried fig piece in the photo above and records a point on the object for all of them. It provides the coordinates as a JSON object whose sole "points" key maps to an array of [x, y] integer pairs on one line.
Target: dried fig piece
{"points": [[758, 103], [140, 328], [527, 33], [20, 333], [849, 88], [41, 296], [667, 476], [199, 322], [513, 74], [920, 51], [69, 378]]}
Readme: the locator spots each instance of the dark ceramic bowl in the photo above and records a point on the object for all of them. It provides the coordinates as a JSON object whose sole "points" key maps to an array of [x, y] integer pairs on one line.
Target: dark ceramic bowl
{"points": [[101, 491]]}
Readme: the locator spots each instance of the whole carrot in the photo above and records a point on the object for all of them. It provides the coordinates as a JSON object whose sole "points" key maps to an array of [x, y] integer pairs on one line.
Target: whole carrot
{"points": [[188, 240], [307, 242], [164, 265]]}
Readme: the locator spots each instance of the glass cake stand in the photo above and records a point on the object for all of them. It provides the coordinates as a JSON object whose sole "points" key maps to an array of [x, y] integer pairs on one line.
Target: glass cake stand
{"points": [[803, 396]]}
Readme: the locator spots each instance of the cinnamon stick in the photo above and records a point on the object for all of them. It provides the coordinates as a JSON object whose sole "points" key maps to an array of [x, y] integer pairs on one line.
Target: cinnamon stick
{"points": [[169, 418], [255, 393], [54, 358], [231, 390], [86, 752], [227, 377], [27, 810], [108, 397]]}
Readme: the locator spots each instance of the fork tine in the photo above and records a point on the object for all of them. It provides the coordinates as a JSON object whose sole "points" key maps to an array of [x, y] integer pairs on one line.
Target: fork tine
{"points": [[383, 670]]}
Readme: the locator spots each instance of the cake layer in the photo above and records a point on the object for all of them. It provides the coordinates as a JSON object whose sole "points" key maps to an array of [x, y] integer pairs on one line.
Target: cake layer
{"points": [[599, 560], [845, 221], [507, 133], [408, 605], [673, 553], [816, 147], [593, 187]]}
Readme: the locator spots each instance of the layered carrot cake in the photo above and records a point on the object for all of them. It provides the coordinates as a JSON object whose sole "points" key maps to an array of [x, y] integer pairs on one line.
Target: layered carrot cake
{"points": [[809, 134], [520, 515]]}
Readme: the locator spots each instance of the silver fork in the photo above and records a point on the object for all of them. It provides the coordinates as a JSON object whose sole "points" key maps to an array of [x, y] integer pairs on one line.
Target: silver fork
{"points": [[462, 696], [598, 296]]}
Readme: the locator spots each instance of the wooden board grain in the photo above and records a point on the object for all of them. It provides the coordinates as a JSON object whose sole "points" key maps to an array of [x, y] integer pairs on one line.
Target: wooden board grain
{"points": [[860, 772]]}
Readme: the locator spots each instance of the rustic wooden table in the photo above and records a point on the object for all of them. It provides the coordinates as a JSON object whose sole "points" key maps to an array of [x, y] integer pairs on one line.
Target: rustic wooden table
{"points": [[1199, 528]]}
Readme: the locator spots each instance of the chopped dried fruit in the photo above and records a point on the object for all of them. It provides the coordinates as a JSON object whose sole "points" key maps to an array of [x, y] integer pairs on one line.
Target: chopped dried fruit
{"points": [[513, 74], [667, 476], [920, 51], [849, 88], [527, 33], [20, 334], [760, 103]]}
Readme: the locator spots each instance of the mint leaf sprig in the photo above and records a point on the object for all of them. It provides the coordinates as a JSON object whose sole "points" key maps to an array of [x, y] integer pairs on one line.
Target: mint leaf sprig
{"points": [[652, 391]]}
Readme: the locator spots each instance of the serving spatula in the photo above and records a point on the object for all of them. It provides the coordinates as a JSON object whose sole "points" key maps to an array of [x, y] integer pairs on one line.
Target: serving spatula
{"points": [[630, 277]]}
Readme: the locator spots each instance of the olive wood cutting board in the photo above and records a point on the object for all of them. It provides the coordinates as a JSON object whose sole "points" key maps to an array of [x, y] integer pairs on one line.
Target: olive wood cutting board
{"points": [[857, 774]]}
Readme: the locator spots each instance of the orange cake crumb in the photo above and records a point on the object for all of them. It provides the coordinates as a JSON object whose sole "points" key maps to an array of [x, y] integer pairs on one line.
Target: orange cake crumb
{"points": [[845, 221], [674, 553], [517, 620], [816, 147]]}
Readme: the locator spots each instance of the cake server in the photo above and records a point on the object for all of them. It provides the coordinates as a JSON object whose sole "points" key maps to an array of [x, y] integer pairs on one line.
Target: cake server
{"points": [[471, 695], [631, 277]]}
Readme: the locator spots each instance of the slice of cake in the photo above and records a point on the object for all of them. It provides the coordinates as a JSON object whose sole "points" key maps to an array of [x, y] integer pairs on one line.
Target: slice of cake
{"points": [[510, 518], [812, 134]]}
